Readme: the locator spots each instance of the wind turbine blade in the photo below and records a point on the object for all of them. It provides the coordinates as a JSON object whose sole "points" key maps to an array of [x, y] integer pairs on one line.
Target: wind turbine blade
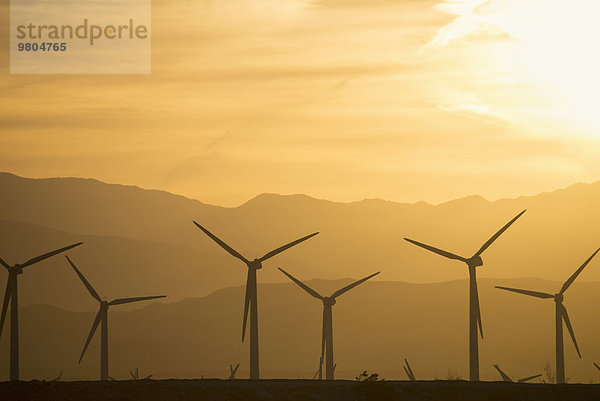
{"points": [[597, 367], [410, 373], [132, 375], [351, 286], [505, 377], [302, 285], [58, 377], [446, 254], [526, 379], [230, 368], [92, 331], [495, 236], [478, 311], [4, 263], [89, 287], [121, 301], [565, 315], [147, 377], [287, 246], [526, 292], [7, 296], [247, 303], [49, 254], [222, 244], [236, 368], [568, 283]]}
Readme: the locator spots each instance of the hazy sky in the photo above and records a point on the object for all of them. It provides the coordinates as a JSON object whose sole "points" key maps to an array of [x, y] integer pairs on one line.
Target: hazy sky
{"points": [[341, 99]]}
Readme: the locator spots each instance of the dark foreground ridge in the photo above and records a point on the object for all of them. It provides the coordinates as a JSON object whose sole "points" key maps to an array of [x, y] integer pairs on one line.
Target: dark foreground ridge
{"points": [[282, 390]]}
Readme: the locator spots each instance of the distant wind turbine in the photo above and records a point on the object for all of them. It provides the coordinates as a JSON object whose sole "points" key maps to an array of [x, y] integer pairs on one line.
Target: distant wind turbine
{"points": [[409, 371], [232, 371], [327, 331], [596, 365], [251, 301], [11, 294], [102, 317], [507, 378], [474, 310], [135, 375], [319, 372], [561, 315]]}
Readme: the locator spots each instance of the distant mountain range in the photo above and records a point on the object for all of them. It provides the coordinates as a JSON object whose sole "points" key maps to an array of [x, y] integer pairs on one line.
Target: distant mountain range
{"points": [[141, 242], [376, 325], [144, 240]]}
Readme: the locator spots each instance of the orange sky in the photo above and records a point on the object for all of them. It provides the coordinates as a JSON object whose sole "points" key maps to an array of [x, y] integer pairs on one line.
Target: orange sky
{"points": [[339, 99]]}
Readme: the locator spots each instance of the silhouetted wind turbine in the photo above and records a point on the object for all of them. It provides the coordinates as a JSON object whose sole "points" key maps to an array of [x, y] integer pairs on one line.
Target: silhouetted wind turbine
{"points": [[474, 309], [596, 365], [251, 299], [409, 371], [507, 378], [11, 294], [327, 331], [319, 372], [102, 317], [561, 315], [135, 375], [232, 371]]}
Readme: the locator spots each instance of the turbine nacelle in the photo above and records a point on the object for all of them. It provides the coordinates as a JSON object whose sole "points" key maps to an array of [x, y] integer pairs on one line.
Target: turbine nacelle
{"points": [[18, 269], [475, 261], [104, 305], [329, 301], [558, 298], [256, 264]]}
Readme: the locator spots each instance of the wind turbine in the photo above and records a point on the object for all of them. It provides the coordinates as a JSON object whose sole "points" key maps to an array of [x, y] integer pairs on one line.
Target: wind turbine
{"points": [[507, 378], [11, 294], [232, 371], [596, 365], [327, 331], [135, 375], [409, 371], [102, 317], [561, 315], [474, 311], [319, 372], [251, 299]]}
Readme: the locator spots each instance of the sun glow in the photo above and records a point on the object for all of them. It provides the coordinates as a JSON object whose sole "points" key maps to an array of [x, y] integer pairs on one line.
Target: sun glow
{"points": [[549, 47]]}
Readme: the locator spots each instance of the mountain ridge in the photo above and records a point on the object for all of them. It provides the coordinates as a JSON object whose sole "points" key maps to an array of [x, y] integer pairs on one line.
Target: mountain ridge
{"points": [[300, 195], [376, 325], [559, 230]]}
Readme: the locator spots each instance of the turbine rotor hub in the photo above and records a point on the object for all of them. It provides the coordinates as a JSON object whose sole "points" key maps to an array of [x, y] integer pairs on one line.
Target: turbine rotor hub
{"points": [[104, 304], [558, 298], [256, 264], [475, 261], [16, 269], [329, 301]]}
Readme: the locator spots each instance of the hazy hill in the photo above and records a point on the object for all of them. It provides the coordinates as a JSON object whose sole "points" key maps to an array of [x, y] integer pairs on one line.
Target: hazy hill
{"points": [[375, 327], [557, 233], [115, 266]]}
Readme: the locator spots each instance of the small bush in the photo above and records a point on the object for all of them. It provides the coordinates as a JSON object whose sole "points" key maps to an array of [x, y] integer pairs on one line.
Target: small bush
{"points": [[366, 377]]}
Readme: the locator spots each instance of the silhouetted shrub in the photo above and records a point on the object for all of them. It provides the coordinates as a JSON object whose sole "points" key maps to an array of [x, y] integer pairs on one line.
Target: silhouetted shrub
{"points": [[366, 377], [453, 375]]}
